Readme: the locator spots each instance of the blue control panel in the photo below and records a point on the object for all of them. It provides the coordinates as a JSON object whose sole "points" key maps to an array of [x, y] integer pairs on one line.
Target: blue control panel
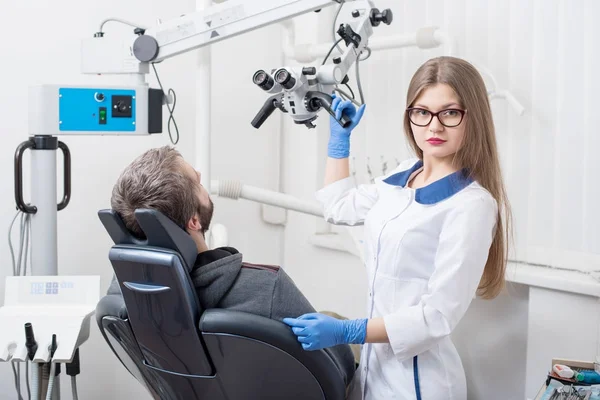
{"points": [[96, 110]]}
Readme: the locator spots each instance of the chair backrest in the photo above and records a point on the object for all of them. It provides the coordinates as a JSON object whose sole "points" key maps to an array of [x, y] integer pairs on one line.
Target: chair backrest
{"points": [[180, 352], [153, 275]]}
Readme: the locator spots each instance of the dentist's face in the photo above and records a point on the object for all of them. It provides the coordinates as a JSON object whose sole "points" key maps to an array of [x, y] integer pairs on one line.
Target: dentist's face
{"points": [[438, 136]]}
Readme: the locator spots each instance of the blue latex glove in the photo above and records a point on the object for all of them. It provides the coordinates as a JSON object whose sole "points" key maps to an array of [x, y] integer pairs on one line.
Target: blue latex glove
{"points": [[339, 138], [318, 331]]}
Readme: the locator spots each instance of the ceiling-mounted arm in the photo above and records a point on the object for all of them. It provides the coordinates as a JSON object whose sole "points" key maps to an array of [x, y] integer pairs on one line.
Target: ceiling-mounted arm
{"points": [[221, 21], [106, 54]]}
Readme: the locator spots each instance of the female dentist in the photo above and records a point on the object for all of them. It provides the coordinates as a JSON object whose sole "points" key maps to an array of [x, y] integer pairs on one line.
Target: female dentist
{"points": [[434, 237]]}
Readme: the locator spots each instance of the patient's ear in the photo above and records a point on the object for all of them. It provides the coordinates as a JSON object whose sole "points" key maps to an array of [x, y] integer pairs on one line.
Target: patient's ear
{"points": [[193, 224]]}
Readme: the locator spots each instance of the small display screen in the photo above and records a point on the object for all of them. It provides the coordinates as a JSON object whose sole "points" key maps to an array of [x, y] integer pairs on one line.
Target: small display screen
{"points": [[51, 288], [44, 288]]}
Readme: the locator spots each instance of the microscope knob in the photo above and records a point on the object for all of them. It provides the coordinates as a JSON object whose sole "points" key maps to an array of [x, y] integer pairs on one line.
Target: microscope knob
{"points": [[386, 16]]}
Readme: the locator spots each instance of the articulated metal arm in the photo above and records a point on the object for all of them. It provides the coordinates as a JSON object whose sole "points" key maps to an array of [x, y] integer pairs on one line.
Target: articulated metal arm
{"points": [[304, 91]]}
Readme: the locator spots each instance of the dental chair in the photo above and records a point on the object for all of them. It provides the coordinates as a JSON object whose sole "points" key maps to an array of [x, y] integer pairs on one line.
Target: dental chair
{"points": [[177, 350]]}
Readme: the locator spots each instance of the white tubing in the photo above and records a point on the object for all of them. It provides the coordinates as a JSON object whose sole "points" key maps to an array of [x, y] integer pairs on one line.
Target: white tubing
{"points": [[235, 190], [446, 40], [393, 42], [425, 37], [35, 380], [51, 381]]}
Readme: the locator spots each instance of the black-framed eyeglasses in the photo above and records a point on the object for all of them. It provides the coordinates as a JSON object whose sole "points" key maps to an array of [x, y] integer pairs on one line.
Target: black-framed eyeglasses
{"points": [[450, 118]]}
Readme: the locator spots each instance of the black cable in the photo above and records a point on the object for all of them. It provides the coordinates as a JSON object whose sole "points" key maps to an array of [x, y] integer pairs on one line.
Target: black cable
{"points": [[346, 96], [122, 21], [360, 91], [171, 109], [27, 379], [19, 379], [12, 364], [330, 51], [342, 94], [368, 54], [351, 91], [358, 59]]}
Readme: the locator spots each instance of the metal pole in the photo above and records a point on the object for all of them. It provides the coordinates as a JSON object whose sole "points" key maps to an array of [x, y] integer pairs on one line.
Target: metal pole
{"points": [[43, 210], [44, 258]]}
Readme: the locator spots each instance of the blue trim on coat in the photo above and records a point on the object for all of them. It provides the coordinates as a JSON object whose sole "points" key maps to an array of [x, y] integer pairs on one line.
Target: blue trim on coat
{"points": [[436, 191]]}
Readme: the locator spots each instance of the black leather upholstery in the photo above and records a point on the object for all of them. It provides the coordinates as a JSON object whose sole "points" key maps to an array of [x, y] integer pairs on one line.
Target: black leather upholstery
{"points": [[179, 351]]}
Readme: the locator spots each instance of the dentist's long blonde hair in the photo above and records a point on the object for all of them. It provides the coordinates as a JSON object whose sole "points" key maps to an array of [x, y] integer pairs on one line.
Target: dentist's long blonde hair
{"points": [[478, 153]]}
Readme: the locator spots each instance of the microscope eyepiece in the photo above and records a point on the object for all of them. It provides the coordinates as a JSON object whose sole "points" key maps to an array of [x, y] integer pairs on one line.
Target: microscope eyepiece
{"points": [[285, 79], [263, 80]]}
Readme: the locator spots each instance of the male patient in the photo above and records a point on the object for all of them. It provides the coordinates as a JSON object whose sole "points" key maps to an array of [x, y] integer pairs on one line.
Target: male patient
{"points": [[162, 180]]}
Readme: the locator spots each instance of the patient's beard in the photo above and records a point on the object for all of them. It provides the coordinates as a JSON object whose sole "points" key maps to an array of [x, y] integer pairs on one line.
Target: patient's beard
{"points": [[206, 214]]}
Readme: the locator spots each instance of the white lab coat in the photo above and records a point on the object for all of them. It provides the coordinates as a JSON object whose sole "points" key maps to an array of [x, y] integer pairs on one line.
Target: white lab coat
{"points": [[425, 252]]}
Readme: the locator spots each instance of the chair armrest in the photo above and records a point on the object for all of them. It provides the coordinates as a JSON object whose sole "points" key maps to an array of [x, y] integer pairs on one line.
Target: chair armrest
{"points": [[111, 305], [272, 332]]}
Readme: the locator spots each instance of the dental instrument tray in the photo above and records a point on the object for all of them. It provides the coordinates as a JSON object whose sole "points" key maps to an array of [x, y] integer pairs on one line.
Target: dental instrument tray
{"points": [[52, 305]]}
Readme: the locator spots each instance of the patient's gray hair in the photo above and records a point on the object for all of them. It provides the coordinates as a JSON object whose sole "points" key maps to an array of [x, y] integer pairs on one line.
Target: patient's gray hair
{"points": [[156, 180]]}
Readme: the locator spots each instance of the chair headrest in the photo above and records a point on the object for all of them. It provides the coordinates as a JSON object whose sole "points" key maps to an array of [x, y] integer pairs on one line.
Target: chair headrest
{"points": [[160, 231]]}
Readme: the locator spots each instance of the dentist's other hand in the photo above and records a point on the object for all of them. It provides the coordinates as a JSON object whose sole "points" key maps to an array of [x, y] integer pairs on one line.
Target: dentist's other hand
{"points": [[317, 331]]}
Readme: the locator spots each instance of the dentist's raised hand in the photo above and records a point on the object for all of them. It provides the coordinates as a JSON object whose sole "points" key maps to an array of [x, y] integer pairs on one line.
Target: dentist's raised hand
{"points": [[339, 138]]}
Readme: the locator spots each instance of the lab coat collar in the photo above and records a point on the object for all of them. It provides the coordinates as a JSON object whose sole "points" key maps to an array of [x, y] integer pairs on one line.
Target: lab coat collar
{"points": [[436, 191]]}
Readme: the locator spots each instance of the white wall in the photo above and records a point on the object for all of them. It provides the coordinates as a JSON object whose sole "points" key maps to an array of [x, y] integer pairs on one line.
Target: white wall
{"points": [[41, 45], [240, 152], [494, 354]]}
